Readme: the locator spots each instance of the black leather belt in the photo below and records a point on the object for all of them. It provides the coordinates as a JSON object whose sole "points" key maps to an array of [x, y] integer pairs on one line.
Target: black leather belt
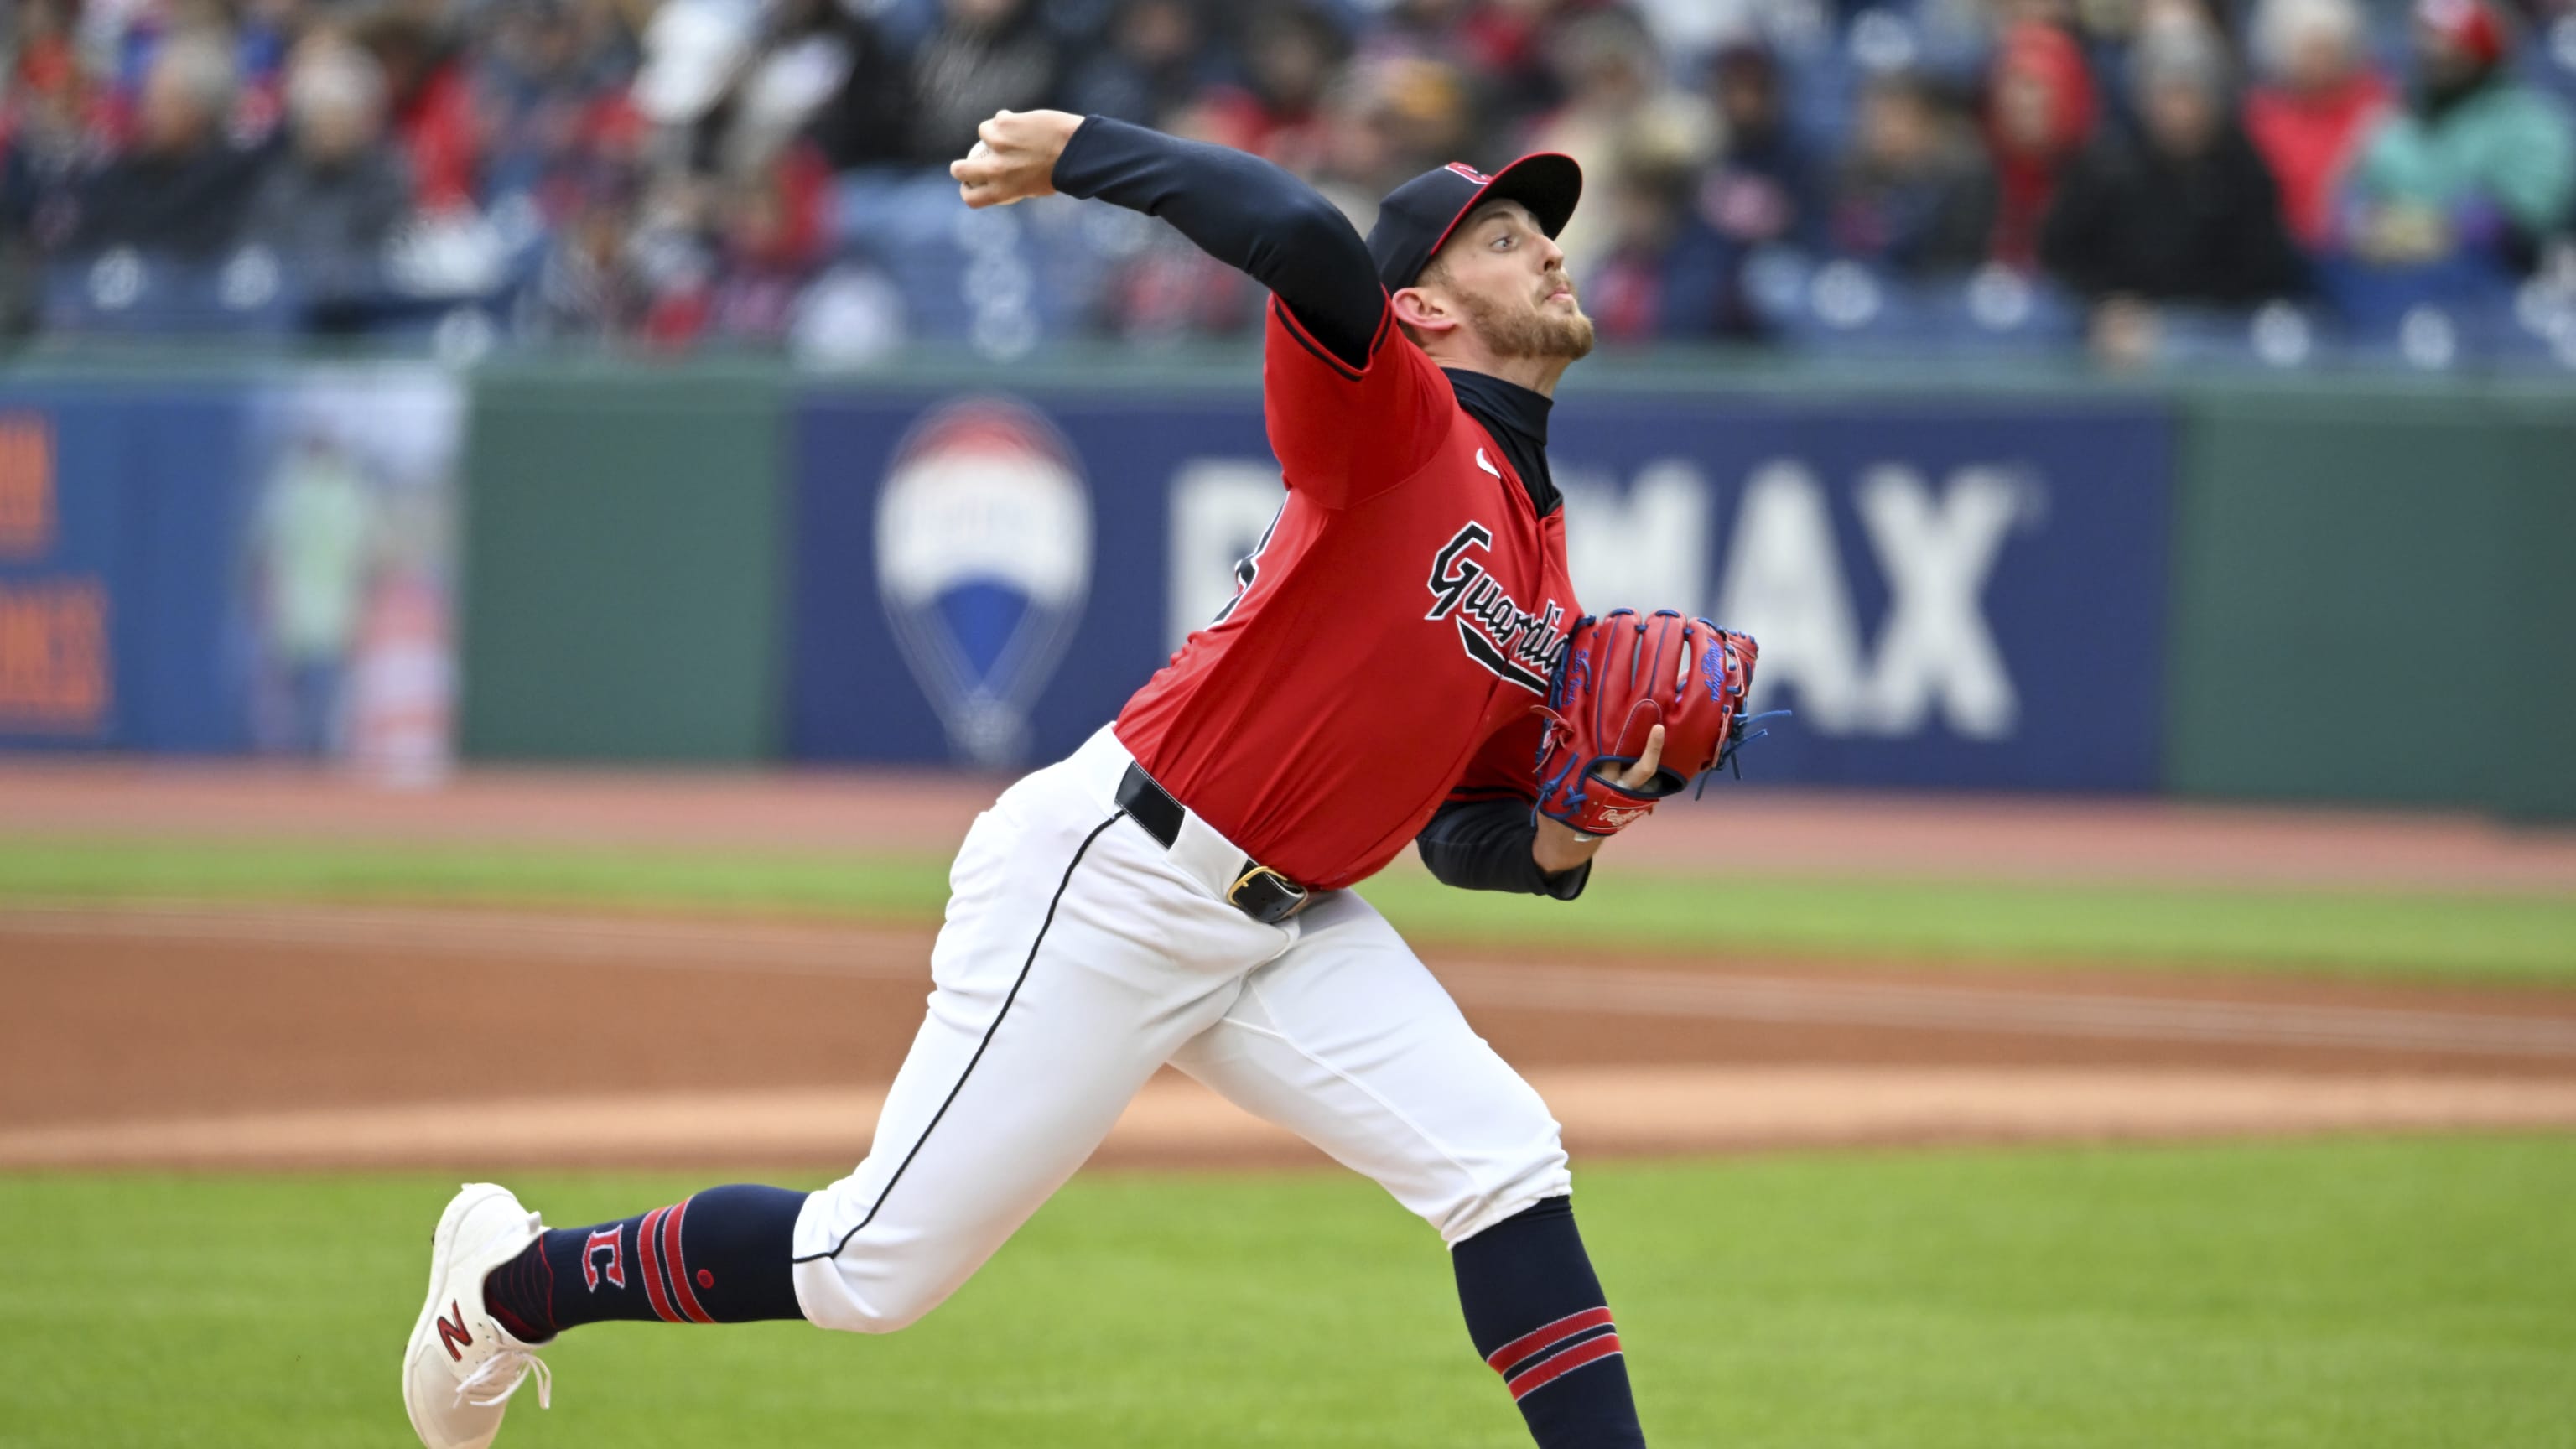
{"points": [[1258, 891]]}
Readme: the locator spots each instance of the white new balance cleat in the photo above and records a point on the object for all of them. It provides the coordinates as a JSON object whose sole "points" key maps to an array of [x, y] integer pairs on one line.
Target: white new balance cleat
{"points": [[461, 1367]]}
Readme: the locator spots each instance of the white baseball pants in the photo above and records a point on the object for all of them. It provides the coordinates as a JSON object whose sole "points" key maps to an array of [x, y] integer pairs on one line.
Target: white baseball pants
{"points": [[1078, 956]]}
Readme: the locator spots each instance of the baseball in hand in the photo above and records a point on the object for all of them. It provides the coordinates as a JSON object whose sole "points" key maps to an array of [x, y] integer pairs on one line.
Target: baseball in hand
{"points": [[981, 152], [1013, 157]]}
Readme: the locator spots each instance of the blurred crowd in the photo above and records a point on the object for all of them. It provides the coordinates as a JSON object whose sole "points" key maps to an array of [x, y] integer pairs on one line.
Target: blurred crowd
{"points": [[1905, 174]]}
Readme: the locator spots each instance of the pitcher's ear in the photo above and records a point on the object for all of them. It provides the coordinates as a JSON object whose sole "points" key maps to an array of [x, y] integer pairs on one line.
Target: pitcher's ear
{"points": [[1421, 311]]}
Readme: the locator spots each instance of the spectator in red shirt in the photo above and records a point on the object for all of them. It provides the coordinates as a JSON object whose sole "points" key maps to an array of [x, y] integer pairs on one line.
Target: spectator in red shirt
{"points": [[2040, 114], [2318, 101], [42, 62], [431, 106]]}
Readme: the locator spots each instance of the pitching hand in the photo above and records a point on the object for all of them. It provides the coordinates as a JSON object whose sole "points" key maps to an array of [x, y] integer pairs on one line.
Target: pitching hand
{"points": [[1014, 159], [1559, 848]]}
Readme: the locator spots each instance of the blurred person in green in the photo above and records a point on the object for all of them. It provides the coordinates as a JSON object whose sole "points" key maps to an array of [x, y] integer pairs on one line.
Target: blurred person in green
{"points": [[2478, 166], [315, 542]]}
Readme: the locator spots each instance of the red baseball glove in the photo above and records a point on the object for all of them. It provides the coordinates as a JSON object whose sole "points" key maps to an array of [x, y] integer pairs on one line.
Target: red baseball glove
{"points": [[1623, 674]]}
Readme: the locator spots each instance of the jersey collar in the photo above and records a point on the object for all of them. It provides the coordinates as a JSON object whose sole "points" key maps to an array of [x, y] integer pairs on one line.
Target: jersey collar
{"points": [[1507, 404], [1517, 417]]}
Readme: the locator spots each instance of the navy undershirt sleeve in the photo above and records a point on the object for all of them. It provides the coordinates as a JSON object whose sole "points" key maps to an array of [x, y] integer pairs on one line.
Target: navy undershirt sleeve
{"points": [[1246, 213], [1484, 845]]}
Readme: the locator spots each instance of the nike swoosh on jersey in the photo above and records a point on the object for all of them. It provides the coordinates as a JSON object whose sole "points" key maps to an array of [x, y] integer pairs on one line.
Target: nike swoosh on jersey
{"points": [[1488, 467]]}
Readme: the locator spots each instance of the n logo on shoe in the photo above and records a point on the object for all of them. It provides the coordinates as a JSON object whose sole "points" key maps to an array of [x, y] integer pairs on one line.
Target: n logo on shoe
{"points": [[452, 1334]]}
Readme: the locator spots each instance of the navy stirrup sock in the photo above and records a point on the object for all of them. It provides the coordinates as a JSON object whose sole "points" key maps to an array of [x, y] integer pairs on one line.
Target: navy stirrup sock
{"points": [[726, 1255], [1537, 1314]]}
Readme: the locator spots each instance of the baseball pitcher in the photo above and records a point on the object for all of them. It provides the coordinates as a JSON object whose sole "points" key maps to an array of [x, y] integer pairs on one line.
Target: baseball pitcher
{"points": [[1403, 662]]}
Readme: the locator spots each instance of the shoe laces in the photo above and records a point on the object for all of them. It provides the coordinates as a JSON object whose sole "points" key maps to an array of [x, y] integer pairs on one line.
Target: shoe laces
{"points": [[515, 1365]]}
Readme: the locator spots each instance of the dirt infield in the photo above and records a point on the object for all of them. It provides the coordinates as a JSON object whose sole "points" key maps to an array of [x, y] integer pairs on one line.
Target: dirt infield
{"points": [[237, 1036], [310, 1037]]}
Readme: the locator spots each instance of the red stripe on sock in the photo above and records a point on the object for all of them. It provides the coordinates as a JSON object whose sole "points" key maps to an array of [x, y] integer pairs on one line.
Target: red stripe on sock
{"points": [[1503, 1360], [1591, 1351], [548, 1264], [651, 1261], [679, 1262]]}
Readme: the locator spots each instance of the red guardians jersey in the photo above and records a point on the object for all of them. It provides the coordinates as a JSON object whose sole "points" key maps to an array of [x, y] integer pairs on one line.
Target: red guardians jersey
{"points": [[1387, 640]]}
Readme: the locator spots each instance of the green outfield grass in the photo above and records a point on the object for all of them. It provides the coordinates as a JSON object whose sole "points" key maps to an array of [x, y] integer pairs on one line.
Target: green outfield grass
{"points": [[2379, 932], [2337, 1295]]}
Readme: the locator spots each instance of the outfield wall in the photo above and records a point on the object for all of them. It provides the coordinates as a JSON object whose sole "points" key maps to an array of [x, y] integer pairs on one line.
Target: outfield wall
{"points": [[2354, 593], [625, 548], [2375, 599]]}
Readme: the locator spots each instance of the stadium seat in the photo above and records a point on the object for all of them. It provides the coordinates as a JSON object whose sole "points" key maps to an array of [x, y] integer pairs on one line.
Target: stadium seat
{"points": [[124, 293], [1001, 280]]}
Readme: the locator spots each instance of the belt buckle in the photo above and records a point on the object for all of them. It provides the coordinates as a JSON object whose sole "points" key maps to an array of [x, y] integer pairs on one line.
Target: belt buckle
{"points": [[1266, 896]]}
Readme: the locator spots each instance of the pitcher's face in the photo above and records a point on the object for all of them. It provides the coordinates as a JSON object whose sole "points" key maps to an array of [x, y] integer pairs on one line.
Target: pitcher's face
{"points": [[1509, 283]]}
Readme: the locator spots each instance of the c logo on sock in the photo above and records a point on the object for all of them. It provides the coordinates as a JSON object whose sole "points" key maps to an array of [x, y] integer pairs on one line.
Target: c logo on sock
{"points": [[607, 1238]]}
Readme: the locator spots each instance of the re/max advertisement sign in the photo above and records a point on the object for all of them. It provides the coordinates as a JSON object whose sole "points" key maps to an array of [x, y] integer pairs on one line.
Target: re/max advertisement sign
{"points": [[1967, 595]]}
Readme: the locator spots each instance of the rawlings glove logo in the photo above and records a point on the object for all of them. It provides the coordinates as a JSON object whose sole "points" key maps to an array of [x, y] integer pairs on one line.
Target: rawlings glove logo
{"points": [[1521, 647], [1620, 817]]}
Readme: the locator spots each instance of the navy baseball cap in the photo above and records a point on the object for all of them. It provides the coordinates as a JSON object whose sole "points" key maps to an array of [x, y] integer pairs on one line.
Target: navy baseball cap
{"points": [[1418, 216]]}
